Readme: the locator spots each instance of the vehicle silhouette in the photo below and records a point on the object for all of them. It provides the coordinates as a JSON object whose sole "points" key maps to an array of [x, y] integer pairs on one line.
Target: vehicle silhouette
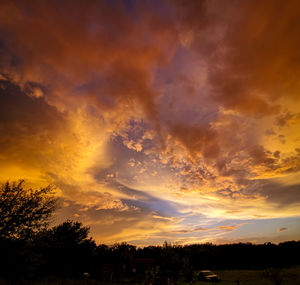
{"points": [[207, 275]]}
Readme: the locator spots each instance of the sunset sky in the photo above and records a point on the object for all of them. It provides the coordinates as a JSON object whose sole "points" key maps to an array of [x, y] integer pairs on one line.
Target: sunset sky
{"points": [[156, 120]]}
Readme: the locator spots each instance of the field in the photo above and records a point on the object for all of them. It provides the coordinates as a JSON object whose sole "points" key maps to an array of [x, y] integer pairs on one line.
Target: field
{"points": [[286, 276]]}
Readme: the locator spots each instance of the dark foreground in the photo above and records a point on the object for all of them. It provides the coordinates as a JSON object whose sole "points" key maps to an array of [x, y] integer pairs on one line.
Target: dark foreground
{"points": [[281, 276], [67, 256]]}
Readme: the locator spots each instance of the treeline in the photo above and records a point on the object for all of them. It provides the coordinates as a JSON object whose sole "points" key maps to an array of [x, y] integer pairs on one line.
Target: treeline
{"points": [[66, 252], [30, 249]]}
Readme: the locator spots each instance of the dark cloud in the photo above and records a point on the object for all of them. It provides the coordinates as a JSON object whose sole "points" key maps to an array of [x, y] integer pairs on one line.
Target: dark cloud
{"points": [[274, 192], [197, 139], [97, 47], [282, 229], [291, 163], [18, 108], [28, 127], [279, 194], [251, 50], [283, 119], [260, 156]]}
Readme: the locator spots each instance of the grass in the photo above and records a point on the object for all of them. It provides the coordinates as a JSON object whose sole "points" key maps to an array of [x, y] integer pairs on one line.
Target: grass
{"points": [[286, 276]]}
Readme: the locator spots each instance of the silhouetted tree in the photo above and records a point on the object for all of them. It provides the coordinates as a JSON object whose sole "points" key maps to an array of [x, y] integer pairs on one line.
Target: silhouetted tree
{"points": [[121, 255], [23, 211], [66, 249], [170, 260], [187, 270], [68, 234]]}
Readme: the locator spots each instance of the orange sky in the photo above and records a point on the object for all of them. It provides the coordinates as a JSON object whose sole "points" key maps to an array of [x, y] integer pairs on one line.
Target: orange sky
{"points": [[156, 120]]}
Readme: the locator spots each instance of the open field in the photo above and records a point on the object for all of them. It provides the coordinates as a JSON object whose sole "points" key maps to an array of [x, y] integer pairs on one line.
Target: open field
{"points": [[286, 276]]}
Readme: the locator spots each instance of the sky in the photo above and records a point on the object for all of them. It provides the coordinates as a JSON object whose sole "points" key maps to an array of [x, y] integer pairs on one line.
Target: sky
{"points": [[156, 121]]}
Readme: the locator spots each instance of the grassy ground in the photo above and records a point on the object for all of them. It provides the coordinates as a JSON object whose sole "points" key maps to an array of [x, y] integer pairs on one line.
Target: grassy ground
{"points": [[287, 276], [290, 276]]}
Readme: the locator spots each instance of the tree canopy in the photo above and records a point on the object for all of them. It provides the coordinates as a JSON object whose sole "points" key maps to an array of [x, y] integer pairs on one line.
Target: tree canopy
{"points": [[24, 210], [66, 235]]}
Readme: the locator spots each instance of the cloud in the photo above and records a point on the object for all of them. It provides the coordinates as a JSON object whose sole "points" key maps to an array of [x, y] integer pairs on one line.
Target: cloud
{"points": [[246, 72], [96, 51], [282, 229], [154, 114], [283, 119], [280, 194], [228, 228], [224, 228], [25, 124], [190, 231], [110, 225], [43, 145], [197, 139]]}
